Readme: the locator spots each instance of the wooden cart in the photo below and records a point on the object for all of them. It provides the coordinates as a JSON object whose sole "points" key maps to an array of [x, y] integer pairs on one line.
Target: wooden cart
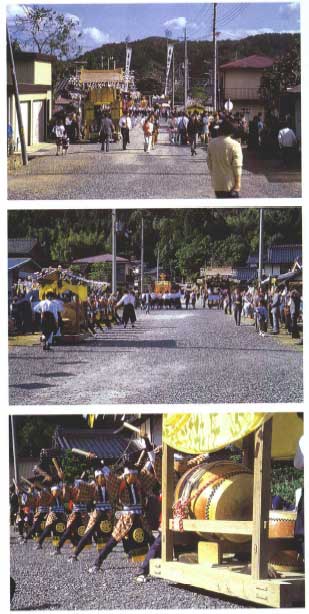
{"points": [[212, 572]]}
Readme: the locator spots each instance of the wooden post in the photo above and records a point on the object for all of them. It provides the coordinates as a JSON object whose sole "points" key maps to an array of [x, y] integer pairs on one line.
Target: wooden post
{"points": [[248, 451], [167, 502], [261, 500]]}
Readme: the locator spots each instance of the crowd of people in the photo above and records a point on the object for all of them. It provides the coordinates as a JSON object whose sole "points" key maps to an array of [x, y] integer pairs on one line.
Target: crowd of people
{"points": [[270, 308], [274, 308], [105, 506]]}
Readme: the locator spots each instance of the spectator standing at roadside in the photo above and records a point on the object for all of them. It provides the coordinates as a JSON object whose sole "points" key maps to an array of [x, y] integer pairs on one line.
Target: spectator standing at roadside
{"points": [[125, 126], [225, 161], [287, 143], [59, 132], [294, 311], [237, 306], [275, 311]]}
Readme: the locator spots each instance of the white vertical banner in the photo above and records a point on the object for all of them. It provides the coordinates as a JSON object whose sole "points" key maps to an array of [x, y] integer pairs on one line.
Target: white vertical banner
{"points": [[128, 64], [170, 50]]}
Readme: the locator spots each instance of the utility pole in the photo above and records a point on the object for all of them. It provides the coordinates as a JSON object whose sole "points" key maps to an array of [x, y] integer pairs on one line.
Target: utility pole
{"points": [[158, 262], [261, 246], [102, 62], [17, 102], [173, 80], [142, 255], [14, 445], [186, 69], [214, 41], [114, 252]]}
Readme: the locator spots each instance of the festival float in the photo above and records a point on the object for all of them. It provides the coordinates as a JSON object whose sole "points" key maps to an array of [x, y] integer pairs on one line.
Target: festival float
{"points": [[73, 291], [240, 548]]}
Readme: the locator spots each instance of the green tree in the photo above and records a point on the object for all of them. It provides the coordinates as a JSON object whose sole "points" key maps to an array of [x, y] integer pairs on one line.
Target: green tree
{"points": [[285, 73], [45, 31]]}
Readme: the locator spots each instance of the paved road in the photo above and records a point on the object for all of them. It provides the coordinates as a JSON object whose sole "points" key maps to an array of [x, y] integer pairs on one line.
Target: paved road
{"points": [[167, 172], [170, 357], [51, 583]]}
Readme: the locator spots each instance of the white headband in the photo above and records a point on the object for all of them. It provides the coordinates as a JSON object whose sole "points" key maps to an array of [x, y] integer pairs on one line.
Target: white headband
{"points": [[128, 471]]}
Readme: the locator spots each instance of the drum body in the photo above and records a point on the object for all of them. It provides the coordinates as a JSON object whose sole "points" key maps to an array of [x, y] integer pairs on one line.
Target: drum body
{"points": [[281, 524], [225, 493]]}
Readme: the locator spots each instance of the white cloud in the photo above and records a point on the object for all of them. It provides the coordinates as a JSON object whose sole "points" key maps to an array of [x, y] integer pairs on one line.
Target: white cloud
{"points": [[14, 10], [289, 7], [94, 36], [177, 23], [72, 17], [243, 33]]}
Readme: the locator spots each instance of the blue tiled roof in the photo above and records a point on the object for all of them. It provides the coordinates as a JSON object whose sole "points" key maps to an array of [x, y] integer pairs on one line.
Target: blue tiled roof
{"points": [[278, 254], [284, 254], [100, 441], [245, 273], [13, 263]]}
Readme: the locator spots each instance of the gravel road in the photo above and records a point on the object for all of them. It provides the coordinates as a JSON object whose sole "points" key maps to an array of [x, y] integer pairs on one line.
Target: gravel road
{"points": [[170, 357], [168, 172], [52, 583]]}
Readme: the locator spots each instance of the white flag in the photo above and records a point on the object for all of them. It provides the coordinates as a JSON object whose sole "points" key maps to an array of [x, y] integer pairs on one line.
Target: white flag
{"points": [[170, 50]]}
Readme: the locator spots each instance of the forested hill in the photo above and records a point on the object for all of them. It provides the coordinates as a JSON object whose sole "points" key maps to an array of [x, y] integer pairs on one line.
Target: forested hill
{"points": [[186, 238], [149, 54]]}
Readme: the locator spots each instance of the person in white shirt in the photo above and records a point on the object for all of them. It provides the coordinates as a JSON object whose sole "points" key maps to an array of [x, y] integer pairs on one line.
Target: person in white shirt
{"points": [[128, 302], [49, 318], [125, 126], [60, 133], [287, 143]]}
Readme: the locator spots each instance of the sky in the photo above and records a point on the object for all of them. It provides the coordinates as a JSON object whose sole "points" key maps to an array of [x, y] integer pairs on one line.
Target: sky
{"points": [[107, 23]]}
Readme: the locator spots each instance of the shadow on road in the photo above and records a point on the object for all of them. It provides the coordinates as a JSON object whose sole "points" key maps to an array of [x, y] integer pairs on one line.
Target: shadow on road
{"points": [[33, 386], [273, 169], [61, 374]]}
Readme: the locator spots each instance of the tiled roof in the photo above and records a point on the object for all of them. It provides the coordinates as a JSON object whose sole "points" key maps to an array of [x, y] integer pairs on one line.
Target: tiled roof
{"points": [[14, 263], [278, 254], [98, 259], [252, 61], [284, 254], [21, 246], [102, 442], [245, 273]]}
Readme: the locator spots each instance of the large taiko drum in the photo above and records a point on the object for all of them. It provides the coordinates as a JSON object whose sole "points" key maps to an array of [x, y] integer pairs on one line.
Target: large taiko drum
{"points": [[226, 493]]}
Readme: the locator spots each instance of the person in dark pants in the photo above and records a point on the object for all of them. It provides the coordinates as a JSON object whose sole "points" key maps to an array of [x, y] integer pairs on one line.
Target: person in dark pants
{"points": [[130, 497], [125, 126], [106, 132], [294, 312], [192, 129], [154, 552], [187, 298], [56, 514], [237, 306], [275, 311], [102, 511]]}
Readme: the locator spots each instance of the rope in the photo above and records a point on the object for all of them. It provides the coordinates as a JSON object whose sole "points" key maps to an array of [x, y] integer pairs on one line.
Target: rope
{"points": [[181, 509]]}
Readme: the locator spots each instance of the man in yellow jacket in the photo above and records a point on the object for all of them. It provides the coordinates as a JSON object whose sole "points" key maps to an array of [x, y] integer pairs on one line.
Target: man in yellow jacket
{"points": [[225, 162]]}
